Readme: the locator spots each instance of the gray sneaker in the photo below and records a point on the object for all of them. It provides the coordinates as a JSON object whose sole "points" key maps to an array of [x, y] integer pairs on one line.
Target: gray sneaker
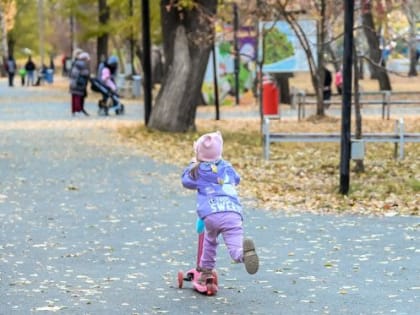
{"points": [[251, 260]]}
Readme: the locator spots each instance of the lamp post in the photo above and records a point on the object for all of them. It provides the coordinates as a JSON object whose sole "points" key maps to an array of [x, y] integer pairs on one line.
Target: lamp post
{"points": [[147, 68], [346, 101], [236, 50]]}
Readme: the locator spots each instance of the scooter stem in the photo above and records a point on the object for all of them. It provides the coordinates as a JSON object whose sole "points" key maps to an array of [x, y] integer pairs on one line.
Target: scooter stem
{"points": [[200, 248]]}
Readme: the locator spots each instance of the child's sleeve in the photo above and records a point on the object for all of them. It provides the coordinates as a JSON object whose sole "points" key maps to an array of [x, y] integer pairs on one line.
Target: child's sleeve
{"points": [[187, 180], [236, 176]]}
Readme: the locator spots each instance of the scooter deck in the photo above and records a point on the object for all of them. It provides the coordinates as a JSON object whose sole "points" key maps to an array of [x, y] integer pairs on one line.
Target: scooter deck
{"points": [[210, 287]]}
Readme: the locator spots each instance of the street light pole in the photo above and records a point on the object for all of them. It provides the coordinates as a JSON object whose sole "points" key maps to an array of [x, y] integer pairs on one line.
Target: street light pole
{"points": [[346, 101], [236, 50], [147, 68]]}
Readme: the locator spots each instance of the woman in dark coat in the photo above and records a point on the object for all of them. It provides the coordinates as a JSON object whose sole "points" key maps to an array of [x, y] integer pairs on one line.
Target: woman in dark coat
{"points": [[11, 69], [79, 78]]}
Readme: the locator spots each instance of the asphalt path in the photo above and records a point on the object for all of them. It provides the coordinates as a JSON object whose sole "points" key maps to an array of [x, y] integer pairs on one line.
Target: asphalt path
{"points": [[90, 225]]}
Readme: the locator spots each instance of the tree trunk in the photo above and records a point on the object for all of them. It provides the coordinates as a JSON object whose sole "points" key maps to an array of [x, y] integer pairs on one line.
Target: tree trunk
{"points": [[412, 71], [187, 48], [410, 13], [321, 34], [314, 68], [4, 47], [360, 167], [157, 65], [102, 41], [376, 66], [11, 44]]}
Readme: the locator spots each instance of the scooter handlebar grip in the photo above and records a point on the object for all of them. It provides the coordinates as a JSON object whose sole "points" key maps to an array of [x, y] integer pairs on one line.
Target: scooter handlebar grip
{"points": [[200, 226]]}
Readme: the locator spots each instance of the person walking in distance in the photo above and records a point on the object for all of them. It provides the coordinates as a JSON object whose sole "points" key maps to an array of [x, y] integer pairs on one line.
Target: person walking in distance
{"points": [[338, 80], [327, 86], [79, 78], [11, 69], [30, 71], [108, 73], [22, 74], [218, 205]]}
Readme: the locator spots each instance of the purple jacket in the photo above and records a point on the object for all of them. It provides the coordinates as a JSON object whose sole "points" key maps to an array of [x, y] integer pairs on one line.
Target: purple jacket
{"points": [[215, 185]]}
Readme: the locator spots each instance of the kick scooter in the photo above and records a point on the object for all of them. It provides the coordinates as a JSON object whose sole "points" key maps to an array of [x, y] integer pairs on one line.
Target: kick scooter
{"points": [[210, 286]]}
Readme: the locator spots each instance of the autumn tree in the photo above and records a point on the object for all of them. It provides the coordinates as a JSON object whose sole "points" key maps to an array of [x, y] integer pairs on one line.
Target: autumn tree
{"points": [[292, 11], [376, 63], [102, 40], [7, 18], [411, 10], [187, 28]]}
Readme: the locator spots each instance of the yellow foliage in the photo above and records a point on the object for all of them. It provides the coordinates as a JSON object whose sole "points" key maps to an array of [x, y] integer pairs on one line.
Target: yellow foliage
{"points": [[9, 9]]}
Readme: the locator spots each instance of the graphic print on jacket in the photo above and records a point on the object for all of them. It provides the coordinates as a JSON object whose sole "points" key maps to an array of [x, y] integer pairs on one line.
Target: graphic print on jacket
{"points": [[215, 184]]}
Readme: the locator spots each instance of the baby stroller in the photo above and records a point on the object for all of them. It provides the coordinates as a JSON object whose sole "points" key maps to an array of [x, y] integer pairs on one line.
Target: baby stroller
{"points": [[110, 99]]}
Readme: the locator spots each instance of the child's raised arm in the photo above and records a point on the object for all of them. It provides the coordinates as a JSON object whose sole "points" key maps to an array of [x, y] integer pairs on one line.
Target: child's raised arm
{"points": [[187, 179]]}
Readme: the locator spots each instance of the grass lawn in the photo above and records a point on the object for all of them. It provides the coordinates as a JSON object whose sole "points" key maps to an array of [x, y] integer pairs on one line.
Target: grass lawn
{"points": [[302, 176]]}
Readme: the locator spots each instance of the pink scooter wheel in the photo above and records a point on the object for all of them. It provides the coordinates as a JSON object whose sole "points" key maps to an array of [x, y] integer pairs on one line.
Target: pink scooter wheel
{"points": [[211, 288]]}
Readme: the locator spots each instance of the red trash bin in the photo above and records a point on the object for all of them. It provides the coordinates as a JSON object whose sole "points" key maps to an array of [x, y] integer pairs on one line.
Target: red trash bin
{"points": [[270, 98]]}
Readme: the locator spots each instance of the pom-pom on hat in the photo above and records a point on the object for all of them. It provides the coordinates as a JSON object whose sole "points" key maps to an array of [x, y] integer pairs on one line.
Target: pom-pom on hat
{"points": [[76, 53], [84, 56], [209, 147]]}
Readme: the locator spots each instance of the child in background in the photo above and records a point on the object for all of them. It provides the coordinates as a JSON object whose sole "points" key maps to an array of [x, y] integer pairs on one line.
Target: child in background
{"points": [[22, 73], [218, 205], [108, 73], [338, 80]]}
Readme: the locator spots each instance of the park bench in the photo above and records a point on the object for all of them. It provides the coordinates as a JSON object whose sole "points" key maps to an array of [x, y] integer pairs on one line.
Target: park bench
{"points": [[300, 99], [399, 138]]}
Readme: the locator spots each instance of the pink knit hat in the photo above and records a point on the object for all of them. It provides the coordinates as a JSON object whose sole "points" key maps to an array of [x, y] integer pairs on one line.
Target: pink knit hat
{"points": [[209, 147]]}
